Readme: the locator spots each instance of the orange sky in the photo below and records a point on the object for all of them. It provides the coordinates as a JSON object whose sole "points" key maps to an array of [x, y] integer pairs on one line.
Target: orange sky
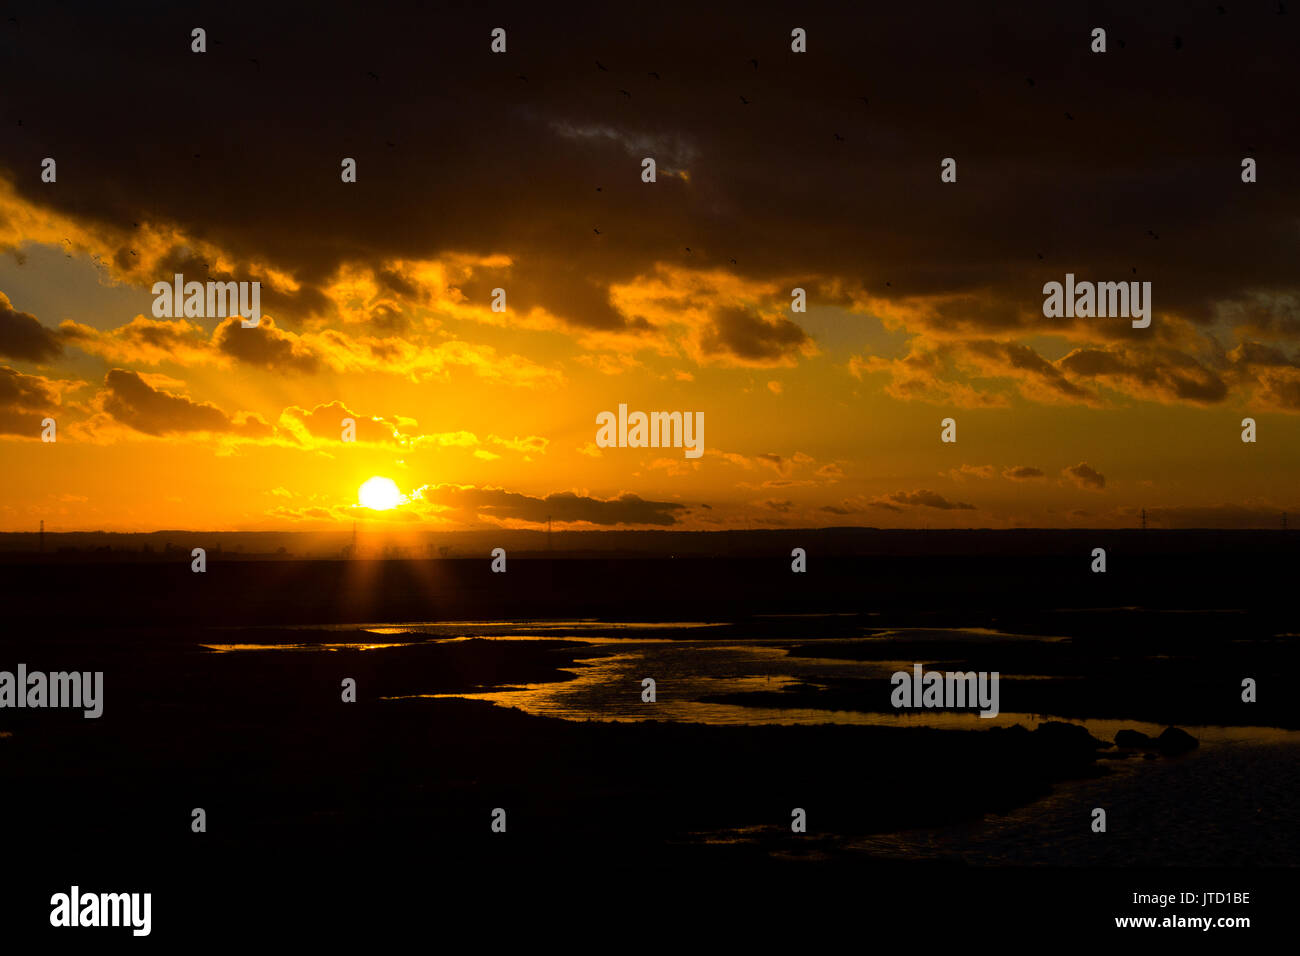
{"points": [[924, 298], [829, 436]]}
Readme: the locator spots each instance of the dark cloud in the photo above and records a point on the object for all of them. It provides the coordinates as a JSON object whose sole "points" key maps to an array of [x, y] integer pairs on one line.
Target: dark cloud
{"points": [[782, 465], [924, 498], [1161, 374], [962, 472], [134, 402], [1256, 353], [1282, 393], [1023, 362], [750, 337], [562, 287], [1085, 476], [483, 163], [387, 319], [1265, 314], [1275, 373], [24, 401], [563, 506], [265, 346], [142, 340], [23, 337], [1022, 473]]}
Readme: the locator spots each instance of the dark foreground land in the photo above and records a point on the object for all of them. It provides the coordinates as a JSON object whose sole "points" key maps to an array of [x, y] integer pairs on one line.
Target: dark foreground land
{"points": [[959, 574], [324, 814], [370, 800]]}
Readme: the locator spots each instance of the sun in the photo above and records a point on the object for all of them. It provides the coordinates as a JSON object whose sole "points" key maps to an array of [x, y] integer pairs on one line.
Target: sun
{"points": [[379, 494]]}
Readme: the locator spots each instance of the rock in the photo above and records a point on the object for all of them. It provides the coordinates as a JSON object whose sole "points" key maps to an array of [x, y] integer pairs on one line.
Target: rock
{"points": [[1132, 738], [1018, 731], [1057, 734], [1175, 741]]}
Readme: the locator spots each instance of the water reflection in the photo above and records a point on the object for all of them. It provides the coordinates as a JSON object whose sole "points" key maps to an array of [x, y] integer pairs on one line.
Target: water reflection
{"points": [[1224, 789], [606, 683], [315, 646], [607, 686]]}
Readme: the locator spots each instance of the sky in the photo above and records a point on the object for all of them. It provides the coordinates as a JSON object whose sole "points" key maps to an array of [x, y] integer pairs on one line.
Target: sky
{"points": [[775, 170]]}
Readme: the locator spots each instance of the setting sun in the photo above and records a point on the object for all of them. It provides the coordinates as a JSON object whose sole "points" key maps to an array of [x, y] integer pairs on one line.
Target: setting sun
{"points": [[379, 494]]}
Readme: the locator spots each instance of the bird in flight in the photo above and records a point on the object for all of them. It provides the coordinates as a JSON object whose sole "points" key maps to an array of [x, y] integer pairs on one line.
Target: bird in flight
{"points": [[839, 138], [755, 62], [744, 101], [603, 68], [372, 74], [626, 93], [1152, 234], [654, 74], [596, 231], [520, 76], [733, 262], [688, 248], [255, 63], [1068, 116]]}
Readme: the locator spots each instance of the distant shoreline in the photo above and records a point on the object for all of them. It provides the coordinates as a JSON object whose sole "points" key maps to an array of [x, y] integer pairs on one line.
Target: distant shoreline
{"points": [[401, 544]]}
